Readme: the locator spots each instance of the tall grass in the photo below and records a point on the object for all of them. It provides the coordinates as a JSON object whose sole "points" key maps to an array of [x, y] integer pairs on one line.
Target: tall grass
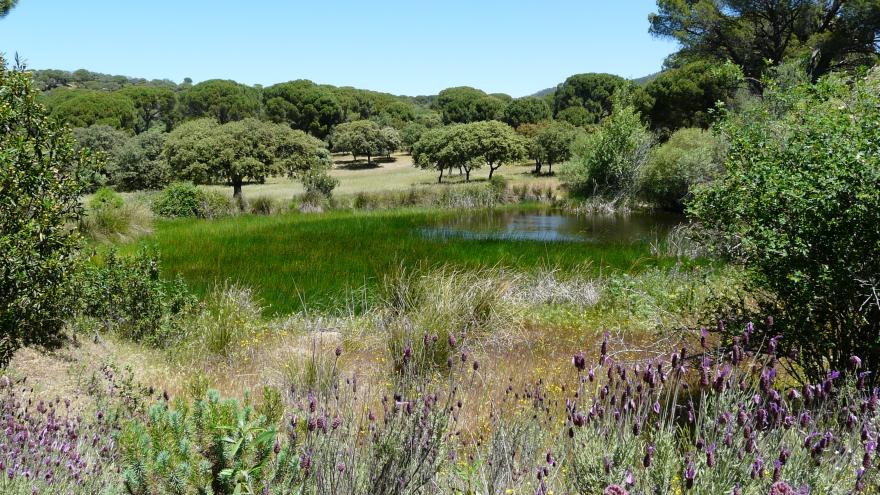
{"points": [[296, 261]]}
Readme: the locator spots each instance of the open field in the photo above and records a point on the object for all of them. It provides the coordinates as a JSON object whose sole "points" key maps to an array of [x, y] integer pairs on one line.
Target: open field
{"points": [[394, 175]]}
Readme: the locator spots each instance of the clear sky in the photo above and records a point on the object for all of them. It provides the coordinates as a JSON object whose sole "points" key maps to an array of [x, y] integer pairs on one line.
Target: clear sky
{"points": [[403, 47]]}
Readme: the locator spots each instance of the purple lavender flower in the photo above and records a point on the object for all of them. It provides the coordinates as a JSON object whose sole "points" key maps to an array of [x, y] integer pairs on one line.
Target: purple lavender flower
{"points": [[782, 488], [615, 490], [690, 473], [579, 361]]}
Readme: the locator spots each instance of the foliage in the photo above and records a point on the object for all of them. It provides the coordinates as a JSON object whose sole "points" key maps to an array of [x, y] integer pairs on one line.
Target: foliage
{"points": [[154, 104], [411, 134], [756, 35], [591, 92], [690, 158], [179, 199], [469, 146], [365, 137], [128, 297], [222, 100], [109, 218], [304, 106], [685, 96], [212, 445], [465, 104], [104, 141], [6, 6], [553, 144], [607, 162], [801, 190], [41, 179], [528, 110], [83, 108], [140, 162], [205, 151]]}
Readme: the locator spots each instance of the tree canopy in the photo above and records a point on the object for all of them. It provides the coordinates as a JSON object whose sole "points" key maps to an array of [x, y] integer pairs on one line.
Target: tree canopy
{"points": [[592, 92], [528, 110], [683, 97], [365, 138], [205, 151], [153, 104], [82, 108], [222, 100], [469, 146], [304, 105], [465, 104], [553, 144], [756, 35]]}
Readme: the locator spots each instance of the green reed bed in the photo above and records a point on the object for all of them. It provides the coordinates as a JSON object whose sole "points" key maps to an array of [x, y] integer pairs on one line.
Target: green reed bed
{"points": [[298, 261]]}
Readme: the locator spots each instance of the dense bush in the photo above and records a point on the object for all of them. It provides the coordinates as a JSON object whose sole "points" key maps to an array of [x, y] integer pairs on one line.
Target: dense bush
{"points": [[800, 206], [41, 178], [690, 157], [607, 161], [128, 296], [180, 199], [139, 163]]}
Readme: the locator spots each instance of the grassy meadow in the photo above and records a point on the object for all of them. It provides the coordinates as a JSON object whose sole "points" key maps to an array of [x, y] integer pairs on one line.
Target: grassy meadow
{"points": [[295, 261], [393, 173]]}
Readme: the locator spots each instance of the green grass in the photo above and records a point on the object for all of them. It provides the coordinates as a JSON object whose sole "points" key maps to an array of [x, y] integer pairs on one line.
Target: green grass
{"points": [[298, 261]]}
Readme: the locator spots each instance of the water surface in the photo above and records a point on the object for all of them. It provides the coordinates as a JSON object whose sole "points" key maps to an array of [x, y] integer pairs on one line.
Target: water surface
{"points": [[552, 225]]}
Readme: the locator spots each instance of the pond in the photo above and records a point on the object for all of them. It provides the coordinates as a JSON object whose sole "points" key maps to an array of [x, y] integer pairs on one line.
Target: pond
{"points": [[553, 225]]}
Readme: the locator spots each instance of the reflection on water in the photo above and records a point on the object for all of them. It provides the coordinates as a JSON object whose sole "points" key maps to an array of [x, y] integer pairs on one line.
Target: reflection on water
{"points": [[553, 226]]}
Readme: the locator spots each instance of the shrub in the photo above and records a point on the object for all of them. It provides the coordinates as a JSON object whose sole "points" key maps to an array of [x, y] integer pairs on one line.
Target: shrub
{"points": [[128, 296], [263, 205], [213, 445], [607, 161], [799, 206], [215, 204], [110, 218], [41, 179], [139, 163], [180, 199], [690, 157]]}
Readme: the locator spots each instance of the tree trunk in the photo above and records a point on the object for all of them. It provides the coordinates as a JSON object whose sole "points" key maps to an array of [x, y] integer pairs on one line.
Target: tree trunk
{"points": [[440, 179], [537, 167], [236, 187], [369, 159], [467, 174], [550, 169], [492, 170]]}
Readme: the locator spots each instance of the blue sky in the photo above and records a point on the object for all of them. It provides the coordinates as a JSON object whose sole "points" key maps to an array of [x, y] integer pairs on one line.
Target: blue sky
{"points": [[402, 47]]}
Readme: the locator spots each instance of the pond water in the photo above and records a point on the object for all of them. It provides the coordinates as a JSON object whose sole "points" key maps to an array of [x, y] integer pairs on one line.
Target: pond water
{"points": [[553, 225]]}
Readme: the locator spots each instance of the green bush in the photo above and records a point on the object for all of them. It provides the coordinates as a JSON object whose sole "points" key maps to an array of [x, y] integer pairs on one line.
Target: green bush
{"points": [[263, 205], [180, 199], [800, 206], [139, 163], [689, 158], [41, 179], [215, 204], [607, 161], [105, 215], [212, 445], [128, 296]]}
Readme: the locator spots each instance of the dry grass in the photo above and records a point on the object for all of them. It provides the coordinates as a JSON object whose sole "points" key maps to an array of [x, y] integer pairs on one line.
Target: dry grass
{"points": [[396, 175]]}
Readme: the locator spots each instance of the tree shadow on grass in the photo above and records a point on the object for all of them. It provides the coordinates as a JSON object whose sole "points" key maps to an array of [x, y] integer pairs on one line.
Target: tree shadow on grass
{"points": [[361, 164]]}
